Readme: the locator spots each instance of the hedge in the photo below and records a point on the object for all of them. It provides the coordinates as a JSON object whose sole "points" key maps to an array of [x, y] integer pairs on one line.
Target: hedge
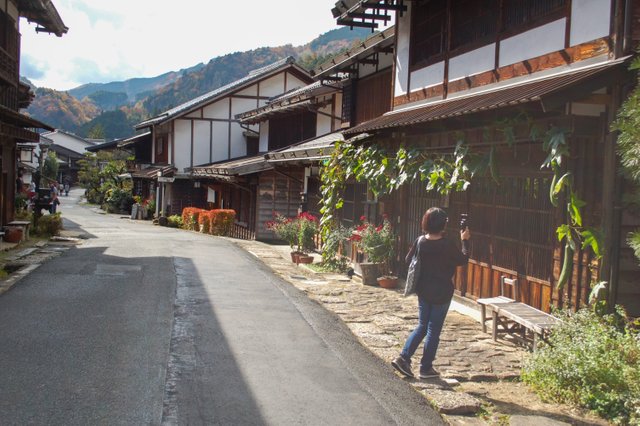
{"points": [[214, 222]]}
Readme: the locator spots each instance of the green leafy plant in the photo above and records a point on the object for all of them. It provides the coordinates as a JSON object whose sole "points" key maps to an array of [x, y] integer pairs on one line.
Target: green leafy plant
{"points": [[307, 231], [628, 126], [332, 246], [592, 361], [376, 242], [49, 225], [285, 228], [174, 221]]}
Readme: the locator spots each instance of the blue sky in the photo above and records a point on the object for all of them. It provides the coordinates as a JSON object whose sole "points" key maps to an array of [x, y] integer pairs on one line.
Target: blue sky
{"points": [[112, 40]]}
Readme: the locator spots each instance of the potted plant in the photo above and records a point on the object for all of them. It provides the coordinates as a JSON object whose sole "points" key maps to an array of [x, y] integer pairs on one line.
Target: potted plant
{"points": [[286, 229], [308, 228], [377, 243]]}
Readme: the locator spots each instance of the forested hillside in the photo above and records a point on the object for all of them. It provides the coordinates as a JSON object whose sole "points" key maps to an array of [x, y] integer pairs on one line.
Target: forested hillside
{"points": [[111, 110]]}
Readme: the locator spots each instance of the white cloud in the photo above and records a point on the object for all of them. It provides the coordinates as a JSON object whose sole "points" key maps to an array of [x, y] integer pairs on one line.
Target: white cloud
{"points": [[118, 39]]}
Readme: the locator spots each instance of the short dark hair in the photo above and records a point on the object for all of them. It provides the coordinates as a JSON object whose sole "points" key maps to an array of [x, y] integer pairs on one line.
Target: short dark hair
{"points": [[434, 220]]}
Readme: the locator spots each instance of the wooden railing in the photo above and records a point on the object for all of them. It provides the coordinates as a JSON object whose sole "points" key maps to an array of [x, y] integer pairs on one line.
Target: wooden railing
{"points": [[242, 232]]}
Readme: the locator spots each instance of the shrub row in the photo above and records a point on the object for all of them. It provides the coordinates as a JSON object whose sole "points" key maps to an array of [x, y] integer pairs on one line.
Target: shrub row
{"points": [[214, 222]]}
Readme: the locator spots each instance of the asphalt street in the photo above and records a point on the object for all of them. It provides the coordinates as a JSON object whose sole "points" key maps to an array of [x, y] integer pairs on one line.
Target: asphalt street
{"points": [[141, 325]]}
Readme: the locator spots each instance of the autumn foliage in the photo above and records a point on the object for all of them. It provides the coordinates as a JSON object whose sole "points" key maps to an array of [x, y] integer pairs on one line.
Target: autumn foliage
{"points": [[213, 222]]}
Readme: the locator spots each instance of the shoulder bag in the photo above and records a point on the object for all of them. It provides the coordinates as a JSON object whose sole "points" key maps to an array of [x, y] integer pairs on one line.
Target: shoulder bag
{"points": [[413, 272]]}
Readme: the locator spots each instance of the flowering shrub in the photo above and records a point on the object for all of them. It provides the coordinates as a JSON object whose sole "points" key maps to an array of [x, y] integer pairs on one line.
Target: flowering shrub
{"points": [[308, 227], [214, 222], [204, 221], [376, 242], [190, 217], [221, 221], [299, 232], [285, 228]]}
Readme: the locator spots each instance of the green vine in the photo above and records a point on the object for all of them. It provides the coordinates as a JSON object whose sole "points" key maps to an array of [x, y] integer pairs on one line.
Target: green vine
{"points": [[574, 232], [385, 171], [628, 126]]}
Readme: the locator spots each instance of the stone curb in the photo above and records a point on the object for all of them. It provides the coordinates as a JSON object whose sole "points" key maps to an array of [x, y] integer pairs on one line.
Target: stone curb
{"points": [[16, 276]]}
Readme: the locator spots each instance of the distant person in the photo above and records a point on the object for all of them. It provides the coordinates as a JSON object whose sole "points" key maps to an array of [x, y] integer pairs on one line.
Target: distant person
{"points": [[439, 257], [55, 202], [66, 189], [19, 184]]}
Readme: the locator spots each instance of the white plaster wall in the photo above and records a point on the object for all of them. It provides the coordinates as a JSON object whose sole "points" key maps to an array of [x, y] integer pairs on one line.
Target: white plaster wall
{"points": [[220, 139], [239, 105], [201, 142], [249, 91], [238, 141], [182, 143], [264, 136], [427, 76], [323, 122], [590, 19], [69, 142], [473, 62], [272, 86], [293, 82], [401, 86], [195, 114], [219, 109], [536, 42]]}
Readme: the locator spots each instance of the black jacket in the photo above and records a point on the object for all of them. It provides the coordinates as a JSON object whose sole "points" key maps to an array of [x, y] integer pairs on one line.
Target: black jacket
{"points": [[438, 262]]}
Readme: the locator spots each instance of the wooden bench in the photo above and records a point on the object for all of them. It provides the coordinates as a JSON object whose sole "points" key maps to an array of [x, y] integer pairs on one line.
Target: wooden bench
{"points": [[522, 320], [492, 302], [515, 318]]}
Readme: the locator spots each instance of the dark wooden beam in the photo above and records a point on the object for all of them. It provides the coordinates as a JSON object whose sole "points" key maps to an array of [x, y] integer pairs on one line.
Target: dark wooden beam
{"points": [[376, 16], [368, 61], [351, 23]]}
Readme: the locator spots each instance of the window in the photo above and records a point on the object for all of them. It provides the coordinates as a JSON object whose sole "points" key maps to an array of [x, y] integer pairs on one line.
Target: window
{"points": [[428, 31], [159, 146], [473, 21], [519, 14]]}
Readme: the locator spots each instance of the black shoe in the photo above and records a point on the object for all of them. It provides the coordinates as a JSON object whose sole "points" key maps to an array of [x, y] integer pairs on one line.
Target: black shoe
{"points": [[429, 374], [403, 366]]}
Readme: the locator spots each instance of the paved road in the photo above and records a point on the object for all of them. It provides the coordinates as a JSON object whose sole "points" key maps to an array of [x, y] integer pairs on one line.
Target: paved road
{"points": [[148, 325]]}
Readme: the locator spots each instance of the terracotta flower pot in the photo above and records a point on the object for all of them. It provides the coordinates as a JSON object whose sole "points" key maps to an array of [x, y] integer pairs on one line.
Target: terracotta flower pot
{"points": [[388, 281], [294, 256], [304, 258], [13, 235]]}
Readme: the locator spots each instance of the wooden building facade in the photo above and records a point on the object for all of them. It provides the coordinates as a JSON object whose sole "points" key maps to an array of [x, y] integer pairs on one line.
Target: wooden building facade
{"points": [[464, 69], [204, 131], [16, 127]]}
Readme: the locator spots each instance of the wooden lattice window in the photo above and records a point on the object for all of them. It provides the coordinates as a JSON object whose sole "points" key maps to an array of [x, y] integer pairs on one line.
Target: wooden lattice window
{"points": [[518, 14], [473, 21], [513, 224], [428, 31]]}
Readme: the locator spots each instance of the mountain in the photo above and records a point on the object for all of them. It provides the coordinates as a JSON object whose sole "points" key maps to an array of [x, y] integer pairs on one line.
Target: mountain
{"points": [[131, 87], [112, 108], [61, 110]]}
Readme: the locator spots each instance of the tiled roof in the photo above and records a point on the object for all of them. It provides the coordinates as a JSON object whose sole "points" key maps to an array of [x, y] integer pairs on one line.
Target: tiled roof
{"points": [[134, 139], [290, 101], [373, 44], [489, 98], [221, 91]]}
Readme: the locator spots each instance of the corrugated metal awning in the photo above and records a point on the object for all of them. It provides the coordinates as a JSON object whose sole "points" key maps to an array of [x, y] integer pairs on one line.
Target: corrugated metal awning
{"points": [[237, 167], [152, 172], [307, 151], [544, 89]]}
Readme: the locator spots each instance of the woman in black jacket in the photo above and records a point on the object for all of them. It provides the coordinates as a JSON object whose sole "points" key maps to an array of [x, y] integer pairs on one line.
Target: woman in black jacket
{"points": [[439, 258]]}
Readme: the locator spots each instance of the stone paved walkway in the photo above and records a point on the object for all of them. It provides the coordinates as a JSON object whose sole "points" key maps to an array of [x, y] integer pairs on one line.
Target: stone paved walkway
{"points": [[382, 319]]}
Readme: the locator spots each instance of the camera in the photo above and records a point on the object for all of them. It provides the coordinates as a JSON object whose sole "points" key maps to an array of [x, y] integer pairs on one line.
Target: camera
{"points": [[464, 221]]}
